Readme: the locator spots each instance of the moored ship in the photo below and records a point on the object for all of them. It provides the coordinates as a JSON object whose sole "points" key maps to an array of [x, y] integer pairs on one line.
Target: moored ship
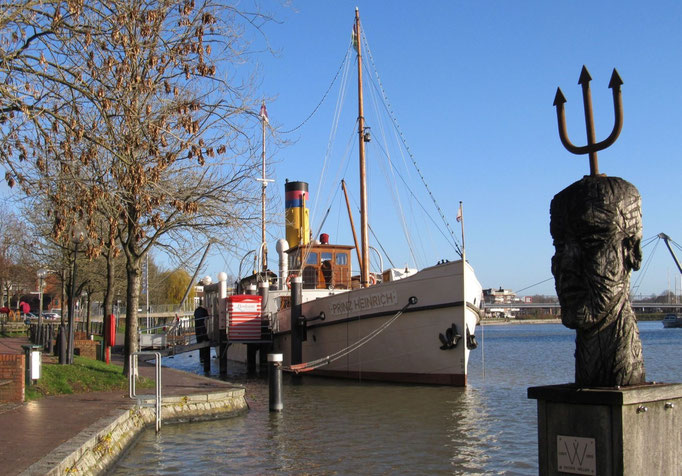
{"points": [[406, 326], [397, 324]]}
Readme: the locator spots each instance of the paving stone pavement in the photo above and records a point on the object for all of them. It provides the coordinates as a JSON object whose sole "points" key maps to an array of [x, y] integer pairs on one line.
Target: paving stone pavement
{"points": [[30, 431]]}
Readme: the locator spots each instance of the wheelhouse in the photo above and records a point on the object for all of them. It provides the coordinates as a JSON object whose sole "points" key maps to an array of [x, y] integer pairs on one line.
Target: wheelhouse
{"points": [[322, 266]]}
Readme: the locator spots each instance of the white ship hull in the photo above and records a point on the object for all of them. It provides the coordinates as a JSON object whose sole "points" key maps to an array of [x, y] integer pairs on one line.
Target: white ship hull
{"points": [[409, 349]]}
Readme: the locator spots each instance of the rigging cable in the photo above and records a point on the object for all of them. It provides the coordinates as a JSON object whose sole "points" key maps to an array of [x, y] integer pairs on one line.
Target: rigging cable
{"points": [[394, 189], [376, 238], [533, 285], [454, 244], [330, 141], [326, 215], [334, 129], [345, 59], [381, 246], [389, 109], [313, 364], [649, 240], [640, 276]]}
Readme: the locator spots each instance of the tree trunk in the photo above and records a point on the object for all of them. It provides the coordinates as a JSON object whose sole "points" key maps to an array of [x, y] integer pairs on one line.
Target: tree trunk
{"points": [[87, 313], [62, 278], [109, 291], [134, 279]]}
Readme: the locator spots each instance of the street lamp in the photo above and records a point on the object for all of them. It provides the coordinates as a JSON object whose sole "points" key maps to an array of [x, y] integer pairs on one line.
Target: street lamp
{"points": [[77, 239], [42, 274]]}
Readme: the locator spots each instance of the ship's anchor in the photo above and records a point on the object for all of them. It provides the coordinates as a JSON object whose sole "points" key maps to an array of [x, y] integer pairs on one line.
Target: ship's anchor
{"points": [[471, 340], [450, 339], [592, 145]]}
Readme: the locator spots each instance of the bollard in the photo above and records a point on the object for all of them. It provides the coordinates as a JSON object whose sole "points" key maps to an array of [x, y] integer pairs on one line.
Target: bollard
{"points": [[50, 337], [296, 301], [275, 382], [62, 344], [33, 363]]}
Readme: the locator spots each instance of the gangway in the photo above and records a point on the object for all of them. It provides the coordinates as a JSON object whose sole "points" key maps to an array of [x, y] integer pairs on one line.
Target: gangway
{"points": [[177, 338], [181, 337]]}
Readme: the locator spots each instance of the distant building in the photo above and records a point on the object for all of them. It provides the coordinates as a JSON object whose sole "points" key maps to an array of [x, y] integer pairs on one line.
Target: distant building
{"points": [[499, 296], [498, 303]]}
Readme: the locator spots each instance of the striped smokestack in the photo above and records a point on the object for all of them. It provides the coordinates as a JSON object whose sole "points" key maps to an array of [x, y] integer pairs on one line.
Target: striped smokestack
{"points": [[296, 213]]}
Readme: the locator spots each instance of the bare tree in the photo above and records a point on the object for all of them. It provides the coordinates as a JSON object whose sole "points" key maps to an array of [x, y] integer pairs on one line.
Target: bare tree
{"points": [[144, 121], [17, 264]]}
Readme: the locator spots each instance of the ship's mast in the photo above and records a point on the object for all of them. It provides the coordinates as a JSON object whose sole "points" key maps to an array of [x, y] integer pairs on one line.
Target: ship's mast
{"points": [[364, 233], [264, 184]]}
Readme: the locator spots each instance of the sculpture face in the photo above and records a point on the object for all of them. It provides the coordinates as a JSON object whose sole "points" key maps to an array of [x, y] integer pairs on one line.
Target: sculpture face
{"points": [[591, 271], [596, 224]]}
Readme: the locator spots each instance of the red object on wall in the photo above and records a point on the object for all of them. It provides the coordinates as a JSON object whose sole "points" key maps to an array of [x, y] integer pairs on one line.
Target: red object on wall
{"points": [[244, 312]]}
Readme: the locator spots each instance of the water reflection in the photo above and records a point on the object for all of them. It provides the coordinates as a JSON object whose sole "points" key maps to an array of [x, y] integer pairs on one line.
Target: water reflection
{"points": [[469, 432]]}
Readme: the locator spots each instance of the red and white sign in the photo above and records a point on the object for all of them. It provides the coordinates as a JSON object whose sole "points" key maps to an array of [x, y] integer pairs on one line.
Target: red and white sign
{"points": [[244, 312]]}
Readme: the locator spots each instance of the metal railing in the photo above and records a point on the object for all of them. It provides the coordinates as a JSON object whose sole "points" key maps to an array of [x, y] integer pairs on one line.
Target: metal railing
{"points": [[142, 400], [187, 331], [96, 309], [181, 331], [96, 327]]}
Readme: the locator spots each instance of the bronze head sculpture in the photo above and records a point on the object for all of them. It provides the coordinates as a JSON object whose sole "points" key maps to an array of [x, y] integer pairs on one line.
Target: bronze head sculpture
{"points": [[596, 225]]}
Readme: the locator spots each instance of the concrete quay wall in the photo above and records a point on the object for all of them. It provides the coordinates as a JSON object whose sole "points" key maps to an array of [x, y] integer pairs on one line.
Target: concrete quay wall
{"points": [[96, 449]]}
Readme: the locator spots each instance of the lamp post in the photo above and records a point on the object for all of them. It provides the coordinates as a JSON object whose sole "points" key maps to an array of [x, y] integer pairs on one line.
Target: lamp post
{"points": [[42, 274], [201, 322], [77, 239]]}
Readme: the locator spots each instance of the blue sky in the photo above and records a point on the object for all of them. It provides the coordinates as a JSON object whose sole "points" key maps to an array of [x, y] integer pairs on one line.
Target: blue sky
{"points": [[472, 86]]}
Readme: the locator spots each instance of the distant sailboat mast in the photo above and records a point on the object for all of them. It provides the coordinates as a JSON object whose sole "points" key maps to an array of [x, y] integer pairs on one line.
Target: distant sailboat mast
{"points": [[364, 228]]}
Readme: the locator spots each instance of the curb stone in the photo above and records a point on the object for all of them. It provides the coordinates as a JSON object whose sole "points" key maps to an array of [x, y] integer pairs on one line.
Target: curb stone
{"points": [[96, 449]]}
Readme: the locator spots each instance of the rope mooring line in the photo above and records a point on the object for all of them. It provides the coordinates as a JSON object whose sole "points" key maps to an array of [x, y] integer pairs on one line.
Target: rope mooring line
{"points": [[313, 364]]}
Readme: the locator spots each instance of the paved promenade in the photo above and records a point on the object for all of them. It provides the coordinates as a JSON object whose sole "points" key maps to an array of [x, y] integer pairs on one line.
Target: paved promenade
{"points": [[30, 431]]}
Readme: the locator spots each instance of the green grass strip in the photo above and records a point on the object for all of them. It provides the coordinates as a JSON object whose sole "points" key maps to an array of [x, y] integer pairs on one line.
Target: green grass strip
{"points": [[84, 375]]}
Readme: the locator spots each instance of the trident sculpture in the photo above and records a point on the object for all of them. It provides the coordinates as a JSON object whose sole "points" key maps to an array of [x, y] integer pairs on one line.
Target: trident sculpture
{"points": [[596, 225], [592, 146]]}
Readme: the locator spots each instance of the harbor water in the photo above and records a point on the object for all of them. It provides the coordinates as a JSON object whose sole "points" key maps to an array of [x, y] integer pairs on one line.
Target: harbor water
{"points": [[349, 427]]}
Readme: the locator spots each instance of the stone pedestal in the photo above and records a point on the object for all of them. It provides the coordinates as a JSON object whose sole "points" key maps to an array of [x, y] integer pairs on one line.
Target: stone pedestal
{"points": [[609, 431]]}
